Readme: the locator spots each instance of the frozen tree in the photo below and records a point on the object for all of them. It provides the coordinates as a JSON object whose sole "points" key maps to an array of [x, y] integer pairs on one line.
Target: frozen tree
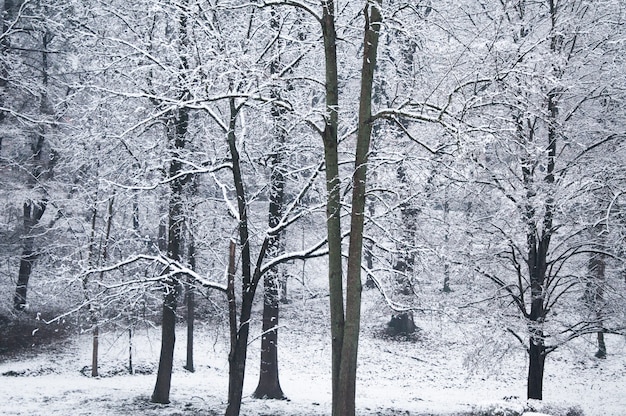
{"points": [[542, 102]]}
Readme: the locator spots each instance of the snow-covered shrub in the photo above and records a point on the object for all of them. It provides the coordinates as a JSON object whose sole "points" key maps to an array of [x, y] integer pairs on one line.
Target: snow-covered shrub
{"points": [[517, 407]]}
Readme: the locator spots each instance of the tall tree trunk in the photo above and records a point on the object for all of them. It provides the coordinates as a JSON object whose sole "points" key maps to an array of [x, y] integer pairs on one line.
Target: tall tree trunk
{"points": [[347, 374], [538, 236], [94, 258], [175, 234], [175, 231], [239, 341], [161, 392], [190, 287], [269, 384], [333, 189]]}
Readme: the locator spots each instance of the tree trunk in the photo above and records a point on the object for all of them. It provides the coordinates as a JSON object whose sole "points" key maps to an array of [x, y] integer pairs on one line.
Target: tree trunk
{"points": [[536, 362], [161, 392], [131, 369], [94, 351], [347, 374], [595, 293], [190, 304], [33, 211], [177, 140], [174, 247], [240, 333], [333, 189], [237, 368], [239, 350], [269, 384]]}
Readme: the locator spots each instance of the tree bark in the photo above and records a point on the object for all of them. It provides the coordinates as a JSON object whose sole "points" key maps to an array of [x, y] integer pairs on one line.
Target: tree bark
{"points": [[161, 392], [239, 340], [536, 362], [347, 374], [595, 294], [32, 213], [269, 384], [174, 249], [175, 231], [190, 304], [333, 198]]}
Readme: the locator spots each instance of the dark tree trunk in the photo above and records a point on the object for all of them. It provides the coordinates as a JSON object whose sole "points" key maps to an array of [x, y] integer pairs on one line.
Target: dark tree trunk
{"points": [[595, 293], [175, 233], [189, 300], [131, 369], [95, 337], [237, 370], [190, 304], [33, 211], [239, 344], [601, 353], [174, 247], [269, 384], [536, 362], [240, 332], [161, 392], [346, 405], [333, 199]]}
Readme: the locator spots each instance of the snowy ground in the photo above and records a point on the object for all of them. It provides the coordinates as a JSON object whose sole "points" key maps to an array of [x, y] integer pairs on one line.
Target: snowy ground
{"points": [[428, 376]]}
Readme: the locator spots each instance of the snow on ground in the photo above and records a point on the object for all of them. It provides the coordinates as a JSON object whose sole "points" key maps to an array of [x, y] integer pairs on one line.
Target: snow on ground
{"points": [[426, 376]]}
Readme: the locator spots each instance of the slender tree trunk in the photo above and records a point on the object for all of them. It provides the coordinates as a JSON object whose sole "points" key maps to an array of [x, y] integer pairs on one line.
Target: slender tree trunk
{"points": [[595, 294], [131, 369], [94, 260], [95, 337], [333, 189], [347, 374], [232, 319], [161, 392], [190, 304], [239, 337]]}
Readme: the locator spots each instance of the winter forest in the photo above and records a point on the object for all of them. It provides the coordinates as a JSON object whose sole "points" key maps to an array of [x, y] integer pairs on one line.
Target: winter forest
{"points": [[414, 207]]}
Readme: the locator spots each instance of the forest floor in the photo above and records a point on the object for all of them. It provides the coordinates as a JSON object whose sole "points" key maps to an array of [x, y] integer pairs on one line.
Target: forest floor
{"points": [[449, 368]]}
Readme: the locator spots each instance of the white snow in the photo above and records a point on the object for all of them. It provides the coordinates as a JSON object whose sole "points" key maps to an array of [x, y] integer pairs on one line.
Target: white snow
{"points": [[427, 376]]}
